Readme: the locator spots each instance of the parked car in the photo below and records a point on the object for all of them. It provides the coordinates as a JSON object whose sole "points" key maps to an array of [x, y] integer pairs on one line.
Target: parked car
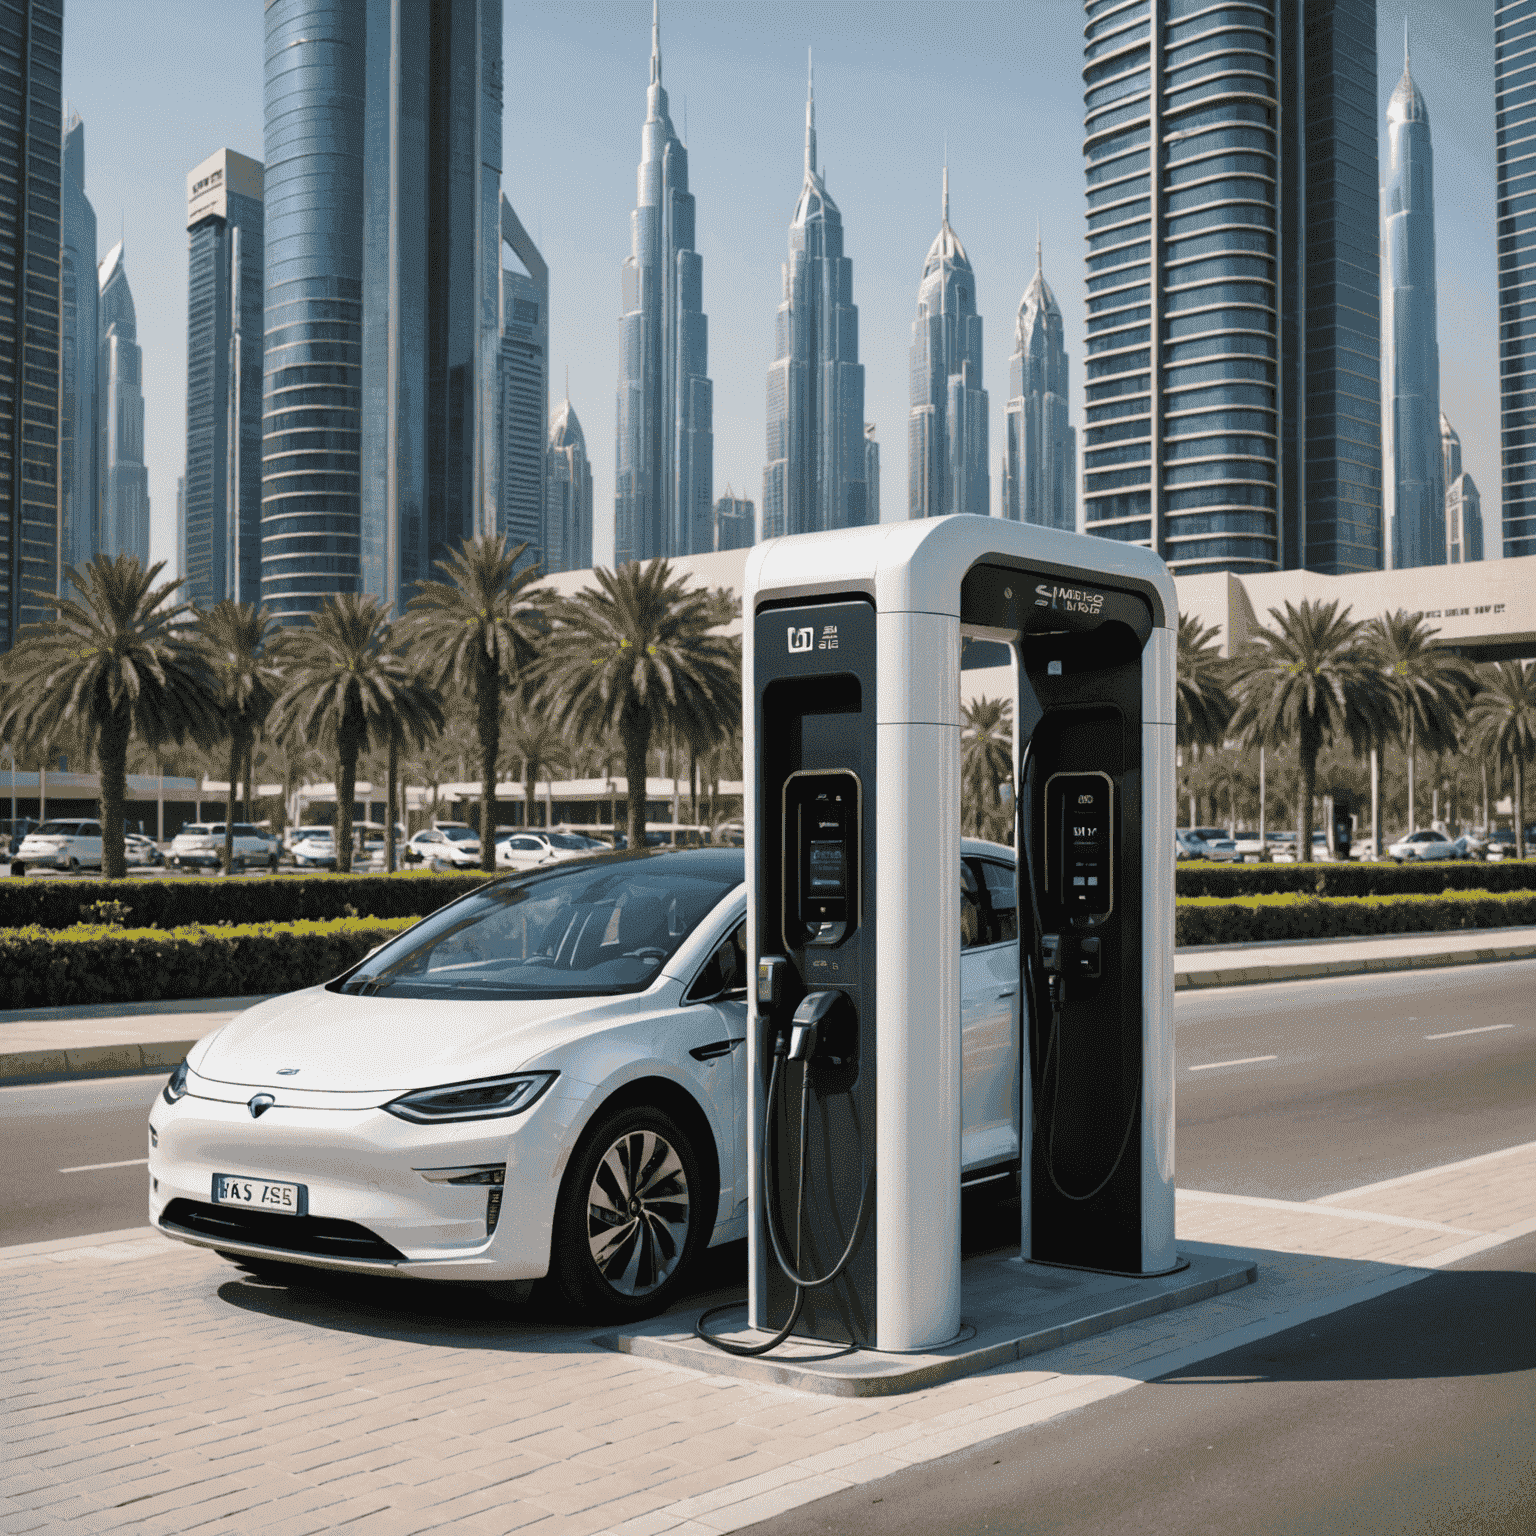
{"points": [[313, 848], [520, 849], [1501, 845], [141, 850], [1422, 844], [67, 844], [577, 1012], [200, 845], [1206, 843], [449, 843], [13, 832]]}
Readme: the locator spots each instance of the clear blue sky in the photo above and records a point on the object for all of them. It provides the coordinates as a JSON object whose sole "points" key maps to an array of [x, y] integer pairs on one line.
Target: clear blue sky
{"points": [[161, 84]]}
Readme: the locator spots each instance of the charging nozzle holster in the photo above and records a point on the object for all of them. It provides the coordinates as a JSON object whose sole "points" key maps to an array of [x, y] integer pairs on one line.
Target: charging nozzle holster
{"points": [[822, 1027]]}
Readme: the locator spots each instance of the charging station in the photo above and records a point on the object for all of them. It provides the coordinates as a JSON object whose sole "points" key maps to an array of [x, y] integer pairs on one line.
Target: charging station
{"points": [[852, 663]]}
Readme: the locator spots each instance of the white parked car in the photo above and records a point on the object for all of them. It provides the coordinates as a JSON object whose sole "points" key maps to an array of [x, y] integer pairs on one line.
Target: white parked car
{"points": [[452, 844], [1423, 844], [1206, 843], [528, 850], [138, 848], [200, 844], [574, 1107], [313, 848], [65, 844]]}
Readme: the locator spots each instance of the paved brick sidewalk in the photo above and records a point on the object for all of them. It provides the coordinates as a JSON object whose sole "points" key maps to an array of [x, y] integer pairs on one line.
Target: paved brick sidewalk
{"points": [[150, 1389]]}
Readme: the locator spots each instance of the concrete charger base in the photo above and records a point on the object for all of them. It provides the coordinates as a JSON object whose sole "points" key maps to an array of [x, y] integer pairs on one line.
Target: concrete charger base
{"points": [[1017, 1309]]}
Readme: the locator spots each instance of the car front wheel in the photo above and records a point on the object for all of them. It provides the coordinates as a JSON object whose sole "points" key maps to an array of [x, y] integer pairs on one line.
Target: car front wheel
{"points": [[632, 1217]]}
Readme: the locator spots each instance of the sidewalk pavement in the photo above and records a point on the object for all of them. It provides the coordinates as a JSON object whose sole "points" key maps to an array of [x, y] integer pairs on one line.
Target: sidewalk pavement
{"points": [[148, 1388], [100, 1038]]}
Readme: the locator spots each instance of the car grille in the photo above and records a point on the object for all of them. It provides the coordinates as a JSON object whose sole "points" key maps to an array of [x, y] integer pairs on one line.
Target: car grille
{"points": [[322, 1236]]}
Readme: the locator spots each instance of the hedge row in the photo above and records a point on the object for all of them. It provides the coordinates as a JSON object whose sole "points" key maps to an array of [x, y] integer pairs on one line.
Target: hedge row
{"points": [[1216, 920], [175, 902], [93, 963], [1328, 879]]}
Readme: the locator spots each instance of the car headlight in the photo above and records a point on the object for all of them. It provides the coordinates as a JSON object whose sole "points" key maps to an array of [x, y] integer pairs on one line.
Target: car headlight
{"points": [[484, 1098], [176, 1085]]}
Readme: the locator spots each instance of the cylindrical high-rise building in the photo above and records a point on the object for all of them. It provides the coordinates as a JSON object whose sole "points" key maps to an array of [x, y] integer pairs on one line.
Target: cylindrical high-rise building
{"points": [[1040, 466], [1415, 479], [123, 478]]}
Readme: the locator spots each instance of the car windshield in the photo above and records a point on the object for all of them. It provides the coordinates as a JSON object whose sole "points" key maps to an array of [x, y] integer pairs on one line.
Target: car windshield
{"points": [[565, 840], [59, 829], [592, 930], [457, 834]]}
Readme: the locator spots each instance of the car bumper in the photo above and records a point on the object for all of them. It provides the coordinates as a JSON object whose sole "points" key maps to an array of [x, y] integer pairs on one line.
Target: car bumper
{"points": [[203, 858], [369, 1209]]}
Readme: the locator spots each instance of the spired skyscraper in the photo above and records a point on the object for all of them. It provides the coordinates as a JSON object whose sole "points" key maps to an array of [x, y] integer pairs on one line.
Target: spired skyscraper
{"points": [[1233, 401], [77, 381], [1040, 466], [523, 400], [567, 495], [220, 509], [663, 497], [814, 478], [124, 481], [947, 429], [1463, 504], [1415, 490]]}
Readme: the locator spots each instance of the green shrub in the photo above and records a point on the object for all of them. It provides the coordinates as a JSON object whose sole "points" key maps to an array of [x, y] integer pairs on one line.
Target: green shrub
{"points": [[99, 963], [1329, 879], [179, 900], [1217, 920]]}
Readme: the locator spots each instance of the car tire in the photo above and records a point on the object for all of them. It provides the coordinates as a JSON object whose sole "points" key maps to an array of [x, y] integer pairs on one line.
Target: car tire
{"points": [[70, 865], [639, 1166]]}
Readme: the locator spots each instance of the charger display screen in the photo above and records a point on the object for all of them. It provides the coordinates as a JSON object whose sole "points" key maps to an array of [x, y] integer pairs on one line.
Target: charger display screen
{"points": [[821, 847], [1079, 851], [828, 869]]}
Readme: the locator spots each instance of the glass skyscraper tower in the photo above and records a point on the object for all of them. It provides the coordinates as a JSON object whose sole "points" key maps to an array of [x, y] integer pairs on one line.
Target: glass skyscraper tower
{"points": [[663, 498], [31, 110], [524, 397], [947, 427], [77, 383], [1233, 394], [1040, 466], [568, 495], [1514, 75], [220, 537], [124, 480], [814, 477]]}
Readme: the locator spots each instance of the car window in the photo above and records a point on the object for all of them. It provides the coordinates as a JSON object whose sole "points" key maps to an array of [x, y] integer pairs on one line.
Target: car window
{"points": [[971, 927], [1001, 902], [565, 840], [527, 845], [57, 829], [725, 971], [456, 834], [90, 829]]}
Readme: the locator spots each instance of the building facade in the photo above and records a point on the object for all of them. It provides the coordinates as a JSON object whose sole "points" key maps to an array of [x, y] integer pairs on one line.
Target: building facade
{"points": [[1233, 417], [947, 430], [123, 480], [1040, 464], [523, 393], [814, 474], [1415, 482], [220, 532], [871, 473], [1514, 75], [1463, 520], [664, 481], [567, 495], [31, 110], [735, 522], [77, 357], [312, 380]]}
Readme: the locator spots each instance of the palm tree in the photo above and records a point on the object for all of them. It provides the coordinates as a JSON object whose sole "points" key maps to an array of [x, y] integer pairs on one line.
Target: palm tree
{"points": [[986, 761], [1427, 685], [1501, 724], [479, 630], [236, 636], [116, 661], [348, 686], [532, 738], [637, 654], [1203, 705], [1308, 680]]}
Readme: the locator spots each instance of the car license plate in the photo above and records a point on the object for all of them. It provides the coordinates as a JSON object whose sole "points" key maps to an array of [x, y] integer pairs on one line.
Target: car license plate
{"points": [[261, 1194]]}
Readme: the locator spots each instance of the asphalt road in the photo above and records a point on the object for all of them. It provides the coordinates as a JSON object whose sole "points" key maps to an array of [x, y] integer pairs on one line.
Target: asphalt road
{"points": [[1354, 1094]]}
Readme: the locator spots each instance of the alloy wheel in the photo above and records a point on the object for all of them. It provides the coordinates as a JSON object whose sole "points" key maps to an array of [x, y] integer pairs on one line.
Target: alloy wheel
{"points": [[637, 1213]]}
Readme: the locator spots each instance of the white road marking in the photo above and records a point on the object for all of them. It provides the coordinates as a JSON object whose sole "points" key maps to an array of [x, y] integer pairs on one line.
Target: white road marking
{"points": [[1482, 1029], [127, 1162], [1242, 1061]]}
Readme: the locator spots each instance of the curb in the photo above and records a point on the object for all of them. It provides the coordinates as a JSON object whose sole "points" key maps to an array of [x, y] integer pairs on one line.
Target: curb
{"points": [[1242, 975], [92, 1061]]}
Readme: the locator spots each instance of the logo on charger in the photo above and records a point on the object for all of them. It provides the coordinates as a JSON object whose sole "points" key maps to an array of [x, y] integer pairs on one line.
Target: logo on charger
{"points": [[1068, 599], [802, 639], [828, 640]]}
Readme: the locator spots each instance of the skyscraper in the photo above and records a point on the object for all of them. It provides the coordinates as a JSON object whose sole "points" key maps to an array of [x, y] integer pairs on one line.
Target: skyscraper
{"points": [[1415, 479], [871, 473], [1463, 520], [947, 430], [568, 495], [524, 393], [311, 464], [735, 522], [77, 381], [1514, 73], [31, 109], [221, 508], [431, 351], [1040, 467], [665, 469], [1233, 394], [122, 477], [814, 477]]}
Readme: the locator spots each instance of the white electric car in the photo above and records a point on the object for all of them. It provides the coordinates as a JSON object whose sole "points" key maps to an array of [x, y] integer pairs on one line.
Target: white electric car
{"points": [[529, 850], [548, 1076]]}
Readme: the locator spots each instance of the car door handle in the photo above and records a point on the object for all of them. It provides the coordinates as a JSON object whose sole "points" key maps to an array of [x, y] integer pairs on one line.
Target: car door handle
{"points": [[1005, 991], [717, 1048]]}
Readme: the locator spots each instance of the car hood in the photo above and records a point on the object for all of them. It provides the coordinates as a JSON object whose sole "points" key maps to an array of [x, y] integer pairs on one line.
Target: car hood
{"points": [[377, 1045]]}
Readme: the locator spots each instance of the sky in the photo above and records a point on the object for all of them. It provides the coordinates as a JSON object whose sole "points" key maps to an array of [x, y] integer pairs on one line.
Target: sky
{"points": [[161, 84]]}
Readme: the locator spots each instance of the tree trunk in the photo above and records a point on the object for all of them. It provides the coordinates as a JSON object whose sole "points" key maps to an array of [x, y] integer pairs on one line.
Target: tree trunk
{"points": [[1308, 749], [113, 756], [530, 786], [349, 742], [229, 801], [1413, 825], [392, 774], [488, 709], [693, 786], [636, 734], [1519, 761], [1375, 802]]}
